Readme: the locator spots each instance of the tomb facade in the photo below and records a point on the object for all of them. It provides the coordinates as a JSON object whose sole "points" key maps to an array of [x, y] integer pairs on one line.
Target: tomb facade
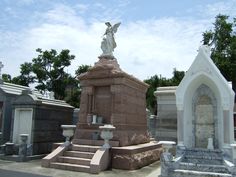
{"points": [[204, 101], [166, 122], [116, 98]]}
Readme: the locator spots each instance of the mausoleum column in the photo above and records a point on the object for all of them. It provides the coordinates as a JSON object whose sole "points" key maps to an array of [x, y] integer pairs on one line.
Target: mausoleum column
{"points": [[86, 103], [116, 103], [180, 122], [227, 126]]}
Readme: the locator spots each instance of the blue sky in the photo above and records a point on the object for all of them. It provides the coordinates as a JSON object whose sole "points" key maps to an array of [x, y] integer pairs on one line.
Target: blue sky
{"points": [[155, 35]]}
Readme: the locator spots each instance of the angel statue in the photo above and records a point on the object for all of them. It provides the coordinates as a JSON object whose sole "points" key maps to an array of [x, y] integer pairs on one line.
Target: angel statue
{"points": [[108, 42]]}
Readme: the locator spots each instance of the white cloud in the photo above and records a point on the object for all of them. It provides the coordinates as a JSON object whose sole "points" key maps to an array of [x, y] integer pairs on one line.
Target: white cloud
{"points": [[227, 7], [26, 2], [144, 48], [82, 8]]}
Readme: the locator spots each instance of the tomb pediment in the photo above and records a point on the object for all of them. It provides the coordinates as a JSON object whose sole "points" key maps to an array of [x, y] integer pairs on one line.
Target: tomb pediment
{"points": [[203, 70]]}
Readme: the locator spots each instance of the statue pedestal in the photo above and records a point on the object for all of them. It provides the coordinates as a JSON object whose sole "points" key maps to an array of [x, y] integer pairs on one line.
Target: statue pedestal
{"points": [[117, 97], [120, 99]]}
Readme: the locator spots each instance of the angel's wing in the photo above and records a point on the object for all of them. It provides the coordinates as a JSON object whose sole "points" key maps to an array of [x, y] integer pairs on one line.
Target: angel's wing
{"points": [[115, 27]]}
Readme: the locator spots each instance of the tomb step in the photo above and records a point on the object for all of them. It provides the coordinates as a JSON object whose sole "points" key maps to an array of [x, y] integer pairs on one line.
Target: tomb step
{"points": [[80, 154], [203, 167], [74, 160], [207, 156], [203, 156], [203, 152], [187, 173], [85, 148], [203, 161], [71, 167], [94, 142]]}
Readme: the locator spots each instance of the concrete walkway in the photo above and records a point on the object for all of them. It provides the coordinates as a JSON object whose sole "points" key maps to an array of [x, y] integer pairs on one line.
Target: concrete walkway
{"points": [[34, 169]]}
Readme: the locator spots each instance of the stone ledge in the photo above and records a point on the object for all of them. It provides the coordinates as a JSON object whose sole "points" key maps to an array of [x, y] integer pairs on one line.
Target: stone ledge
{"points": [[135, 157], [136, 148]]}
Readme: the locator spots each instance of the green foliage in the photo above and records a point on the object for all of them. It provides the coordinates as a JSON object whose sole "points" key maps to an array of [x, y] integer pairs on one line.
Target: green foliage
{"points": [[47, 72], [155, 82], [82, 69], [223, 41], [6, 77]]}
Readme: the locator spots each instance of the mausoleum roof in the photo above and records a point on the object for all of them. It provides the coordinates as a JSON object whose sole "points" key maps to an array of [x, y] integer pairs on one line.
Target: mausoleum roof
{"points": [[165, 90], [15, 89], [204, 71], [54, 102], [36, 96]]}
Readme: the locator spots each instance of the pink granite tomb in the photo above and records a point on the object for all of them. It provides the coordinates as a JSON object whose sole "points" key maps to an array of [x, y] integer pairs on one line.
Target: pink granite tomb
{"points": [[112, 97]]}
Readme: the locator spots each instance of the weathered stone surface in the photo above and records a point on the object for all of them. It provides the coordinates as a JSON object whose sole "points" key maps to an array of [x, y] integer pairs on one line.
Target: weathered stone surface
{"points": [[135, 160], [118, 98], [166, 120], [204, 102]]}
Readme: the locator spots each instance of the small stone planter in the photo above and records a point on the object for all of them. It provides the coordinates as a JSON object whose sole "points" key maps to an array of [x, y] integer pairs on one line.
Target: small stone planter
{"points": [[23, 147], [9, 149], [68, 132], [107, 134], [167, 145]]}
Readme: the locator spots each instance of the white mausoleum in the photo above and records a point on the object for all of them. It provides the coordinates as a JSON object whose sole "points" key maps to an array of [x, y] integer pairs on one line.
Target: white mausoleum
{"points": [[205, 103]]}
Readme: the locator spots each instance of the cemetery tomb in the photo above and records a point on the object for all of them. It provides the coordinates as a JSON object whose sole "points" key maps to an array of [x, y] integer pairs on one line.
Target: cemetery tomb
{"points": [[166, 121], [8, 94], [109, 98], [41, 118], [204, 101]]}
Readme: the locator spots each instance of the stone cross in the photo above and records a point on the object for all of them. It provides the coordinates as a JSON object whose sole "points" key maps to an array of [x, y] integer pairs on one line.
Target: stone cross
{"points": [[1, 66]]}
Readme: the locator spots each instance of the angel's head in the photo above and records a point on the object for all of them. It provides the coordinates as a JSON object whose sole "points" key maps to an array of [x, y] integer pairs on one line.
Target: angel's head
{"points": [[108, 24]]}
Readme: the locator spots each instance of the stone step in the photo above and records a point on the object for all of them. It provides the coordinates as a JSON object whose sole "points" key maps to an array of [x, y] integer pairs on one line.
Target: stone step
{"points": [[187, 173], [80, 154], [203, 161], [203, 152], [85, 148], [71, 167], [203, 156], [203, 167], [207, 157], [94, 142], [74, 160]]}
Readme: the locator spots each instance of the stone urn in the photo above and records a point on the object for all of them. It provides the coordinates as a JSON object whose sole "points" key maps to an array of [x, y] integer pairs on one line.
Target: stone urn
{"points": [[68, 132], [23, 147], [167, 145], [24, 138], [107, 134]]}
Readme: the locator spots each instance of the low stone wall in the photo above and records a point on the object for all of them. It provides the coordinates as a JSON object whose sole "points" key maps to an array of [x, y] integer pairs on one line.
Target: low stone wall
{"points": [[135, 157]]}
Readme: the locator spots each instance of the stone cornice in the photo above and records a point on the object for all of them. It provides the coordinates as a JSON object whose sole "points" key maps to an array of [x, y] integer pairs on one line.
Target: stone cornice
{"points": [[109, 71]]}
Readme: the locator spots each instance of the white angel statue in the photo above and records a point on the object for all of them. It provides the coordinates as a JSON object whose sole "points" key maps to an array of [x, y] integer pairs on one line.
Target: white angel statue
{"points": [[108, 43]]}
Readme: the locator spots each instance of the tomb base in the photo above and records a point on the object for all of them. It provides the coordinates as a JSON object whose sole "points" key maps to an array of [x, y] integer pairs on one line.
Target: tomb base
{"points": [[198, 162], [125, 138], [136, 156]]}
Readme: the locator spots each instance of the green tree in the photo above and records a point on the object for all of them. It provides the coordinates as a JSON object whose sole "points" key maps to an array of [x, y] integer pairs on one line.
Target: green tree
{"points": [[82, 69], [222, 39], [177, 77], [160, 81], [25, 78], [73, 90], [47, 71], [6, 77]]}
